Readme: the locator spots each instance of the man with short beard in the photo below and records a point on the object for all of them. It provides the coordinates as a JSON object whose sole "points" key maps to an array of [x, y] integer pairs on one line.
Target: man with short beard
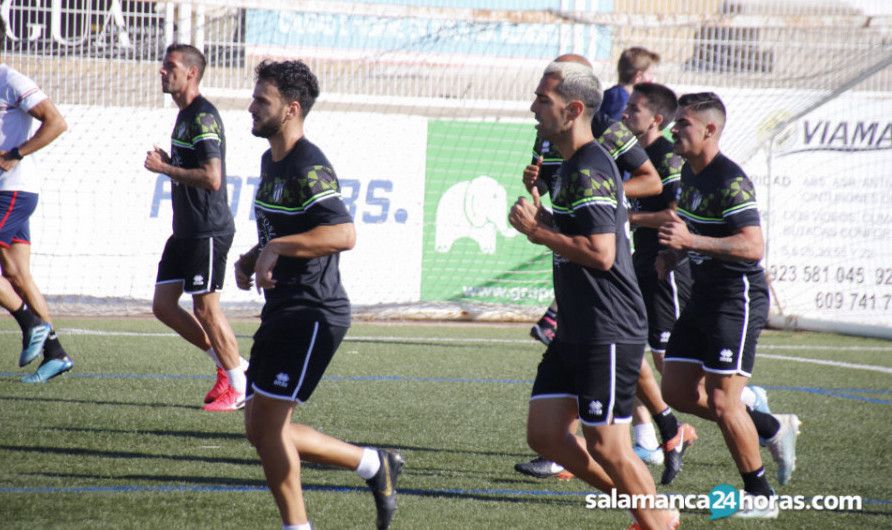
{"points": [[302, 226], [590, 370]]}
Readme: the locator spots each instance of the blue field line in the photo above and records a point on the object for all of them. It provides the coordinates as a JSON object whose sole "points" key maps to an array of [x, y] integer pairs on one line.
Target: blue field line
{"points": [[123, 376], [841, 393], [419, 379], [311, 487]]}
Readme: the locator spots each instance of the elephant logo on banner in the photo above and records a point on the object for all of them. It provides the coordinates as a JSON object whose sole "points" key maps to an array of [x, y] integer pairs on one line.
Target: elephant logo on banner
{"points": [[477, 209]]}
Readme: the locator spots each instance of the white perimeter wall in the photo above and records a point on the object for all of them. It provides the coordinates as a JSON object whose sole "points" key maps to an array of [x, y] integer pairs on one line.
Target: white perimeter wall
{"points": [[825, 198]]}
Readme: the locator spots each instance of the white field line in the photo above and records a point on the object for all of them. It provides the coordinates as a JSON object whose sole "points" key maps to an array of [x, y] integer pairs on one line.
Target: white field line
{"points": [[837, 364], [450, 340]]}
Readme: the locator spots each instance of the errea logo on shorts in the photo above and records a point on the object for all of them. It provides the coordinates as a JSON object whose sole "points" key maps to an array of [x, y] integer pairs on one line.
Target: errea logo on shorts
{"points": [[664, 336], [595, 408], [198, 279], [281, 379], [726, 356]]}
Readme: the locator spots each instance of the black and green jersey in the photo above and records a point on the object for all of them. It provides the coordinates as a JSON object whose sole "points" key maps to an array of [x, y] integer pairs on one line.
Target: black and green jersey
{"points": [[718, 202], [668, 166], [295, 195], [596, 307], [198, 137], [614, 137]]}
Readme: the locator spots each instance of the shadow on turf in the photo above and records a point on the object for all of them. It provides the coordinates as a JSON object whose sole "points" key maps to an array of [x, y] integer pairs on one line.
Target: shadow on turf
{"points": [[77, 451], [167, 479], [418, 342], [32, 399], [398, 447], [176, 434], [237, 484]]}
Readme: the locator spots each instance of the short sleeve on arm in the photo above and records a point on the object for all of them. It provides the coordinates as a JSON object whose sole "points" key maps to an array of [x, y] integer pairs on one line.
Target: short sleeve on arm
{"points": [[207, 136], [739, 207], [22, 92], [322, 196], [592, 201], [670, 175], [623, 147]]}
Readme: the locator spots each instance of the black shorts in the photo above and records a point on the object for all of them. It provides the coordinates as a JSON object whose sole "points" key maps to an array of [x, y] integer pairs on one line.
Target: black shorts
{"points": [[602, 378], [199, 263], [664, 301], [290, 355], [720, 326]]}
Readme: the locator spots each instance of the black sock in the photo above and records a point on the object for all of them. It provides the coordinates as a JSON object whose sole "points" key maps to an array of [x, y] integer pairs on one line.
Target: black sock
{"points": [[25, 317], [755, 484], [766, 424], [667, 423], [52, 349]]}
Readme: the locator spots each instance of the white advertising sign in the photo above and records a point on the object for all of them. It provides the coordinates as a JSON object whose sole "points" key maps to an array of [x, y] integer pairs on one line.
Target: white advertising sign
{"points": [[103, 219], [825, 200]]}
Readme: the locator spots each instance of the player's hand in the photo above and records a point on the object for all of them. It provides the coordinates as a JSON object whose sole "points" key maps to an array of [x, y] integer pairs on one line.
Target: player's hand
{"points": [[156, 159], [244, 273], [7, 162], [531, 174], [524, 215], [263, 269], [674, 233]]}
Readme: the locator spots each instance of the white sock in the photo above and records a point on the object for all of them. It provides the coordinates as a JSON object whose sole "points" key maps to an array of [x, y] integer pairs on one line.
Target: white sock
{"points": [[748, 397], [369, 464], [237, 380], [213, 355], [556, 468], [302, 526], [646, 435]]}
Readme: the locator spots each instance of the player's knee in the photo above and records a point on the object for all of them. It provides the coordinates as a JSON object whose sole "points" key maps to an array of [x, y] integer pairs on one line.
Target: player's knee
{"points": [[679, 398], [599, 450], [249, 435], [206, 314], [721, 404], [159, 309], [541, 441], [670, 394], [17, 277]]}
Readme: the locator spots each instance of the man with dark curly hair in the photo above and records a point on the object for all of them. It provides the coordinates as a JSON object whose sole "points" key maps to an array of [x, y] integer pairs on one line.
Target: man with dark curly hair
{"points": [[194, 258], [302, 227]]}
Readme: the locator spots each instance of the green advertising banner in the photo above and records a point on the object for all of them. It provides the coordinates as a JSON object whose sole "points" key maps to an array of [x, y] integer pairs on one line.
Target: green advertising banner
{"points": [[471, 252]]}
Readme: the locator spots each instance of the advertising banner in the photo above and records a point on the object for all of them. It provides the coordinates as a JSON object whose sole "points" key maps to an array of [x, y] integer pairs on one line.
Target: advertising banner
{"points": [[470, 251], [103, 219], [825, 197]]}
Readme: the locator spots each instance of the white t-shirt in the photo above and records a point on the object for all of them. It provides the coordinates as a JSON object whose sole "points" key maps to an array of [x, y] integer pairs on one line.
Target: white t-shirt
{"points": [[18, 95]]}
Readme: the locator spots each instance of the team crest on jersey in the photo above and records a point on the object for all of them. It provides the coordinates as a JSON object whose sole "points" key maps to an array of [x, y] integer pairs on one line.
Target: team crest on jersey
{"points": [[556, 188], [181, 131], [546, 147], [278, 190], [696, 199]]}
